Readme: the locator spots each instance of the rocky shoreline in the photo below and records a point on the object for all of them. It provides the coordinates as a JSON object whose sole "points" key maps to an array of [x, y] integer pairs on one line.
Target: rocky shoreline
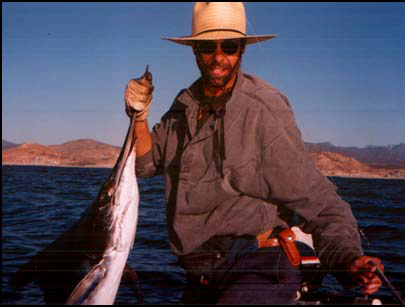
{"points": [[87, 153], [55, 165], [338, 165]]}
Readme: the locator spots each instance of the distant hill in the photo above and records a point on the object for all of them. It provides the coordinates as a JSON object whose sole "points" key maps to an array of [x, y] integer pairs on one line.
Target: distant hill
{"points": [[391, 156], [85, 152], [6, 144], [371, 161], [336, 164]]}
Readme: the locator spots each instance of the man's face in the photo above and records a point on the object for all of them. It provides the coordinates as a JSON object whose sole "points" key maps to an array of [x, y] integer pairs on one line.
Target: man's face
{"points": [[217, 58]]}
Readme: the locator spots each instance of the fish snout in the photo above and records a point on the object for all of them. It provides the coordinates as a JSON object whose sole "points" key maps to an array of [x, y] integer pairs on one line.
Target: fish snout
{"points": [[146, 79]]}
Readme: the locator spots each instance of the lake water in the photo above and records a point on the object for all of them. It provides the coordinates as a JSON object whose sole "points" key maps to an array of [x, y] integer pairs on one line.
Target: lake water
{"points": [[39, 203]]}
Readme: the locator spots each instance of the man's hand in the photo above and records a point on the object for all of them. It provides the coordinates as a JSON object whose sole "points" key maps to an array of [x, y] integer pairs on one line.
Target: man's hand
{"points": [[138, 96], [363, 274]]}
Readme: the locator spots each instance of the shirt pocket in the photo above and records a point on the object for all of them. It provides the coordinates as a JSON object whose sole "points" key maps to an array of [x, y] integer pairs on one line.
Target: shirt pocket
{"points": [[246, 179], [209, 192]]}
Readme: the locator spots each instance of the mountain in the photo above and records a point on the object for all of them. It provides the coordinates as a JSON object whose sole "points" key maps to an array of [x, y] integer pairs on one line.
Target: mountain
{"points": [[84, 152], [336, 164], [330, 159], [6, 144], [88, 152], [391, 156]]}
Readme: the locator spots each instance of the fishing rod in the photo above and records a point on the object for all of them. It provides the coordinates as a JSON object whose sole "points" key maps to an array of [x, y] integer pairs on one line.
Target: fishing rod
{"points": [[384, 278]]}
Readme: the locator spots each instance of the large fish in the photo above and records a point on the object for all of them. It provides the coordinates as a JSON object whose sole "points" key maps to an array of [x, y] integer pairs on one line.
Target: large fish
{"points": [[86, 263]]}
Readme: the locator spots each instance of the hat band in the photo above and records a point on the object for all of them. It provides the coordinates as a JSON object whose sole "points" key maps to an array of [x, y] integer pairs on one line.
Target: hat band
{"points": [[216, 30]]}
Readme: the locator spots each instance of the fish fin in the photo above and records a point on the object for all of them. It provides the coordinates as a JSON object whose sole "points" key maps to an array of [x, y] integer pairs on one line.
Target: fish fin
{"points": [[85, 286], [23, 276], [29, 271], [45, 267], [131, 279]]}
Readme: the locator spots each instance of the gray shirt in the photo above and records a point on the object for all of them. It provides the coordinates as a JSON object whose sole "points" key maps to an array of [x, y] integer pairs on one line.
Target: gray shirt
{"points": [[266, 176]]}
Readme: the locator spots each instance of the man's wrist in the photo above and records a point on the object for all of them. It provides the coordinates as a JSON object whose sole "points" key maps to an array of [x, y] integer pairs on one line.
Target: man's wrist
{"points": [[142, 116]]}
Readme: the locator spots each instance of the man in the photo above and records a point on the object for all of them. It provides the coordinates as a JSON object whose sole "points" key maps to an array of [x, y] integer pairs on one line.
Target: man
{"points": [[236, 172]]}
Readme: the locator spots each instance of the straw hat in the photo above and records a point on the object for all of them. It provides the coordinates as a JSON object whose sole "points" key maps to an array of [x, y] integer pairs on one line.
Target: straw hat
{"points": [[218, 20]]}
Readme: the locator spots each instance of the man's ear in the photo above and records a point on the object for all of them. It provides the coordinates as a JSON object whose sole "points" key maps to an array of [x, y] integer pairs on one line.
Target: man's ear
{"points": [[244, 48]]}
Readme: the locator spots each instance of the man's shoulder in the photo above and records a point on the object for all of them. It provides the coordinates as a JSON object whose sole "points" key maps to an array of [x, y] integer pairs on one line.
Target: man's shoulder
{"points": [[179, 104], [263, 93]]}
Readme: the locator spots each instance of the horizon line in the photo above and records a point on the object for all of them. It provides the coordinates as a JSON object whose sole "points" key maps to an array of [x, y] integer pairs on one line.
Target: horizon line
{"points": [[306, 142]]}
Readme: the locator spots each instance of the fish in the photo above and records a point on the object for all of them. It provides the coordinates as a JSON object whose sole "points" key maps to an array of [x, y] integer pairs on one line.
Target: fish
{"points": [[85, 264]]}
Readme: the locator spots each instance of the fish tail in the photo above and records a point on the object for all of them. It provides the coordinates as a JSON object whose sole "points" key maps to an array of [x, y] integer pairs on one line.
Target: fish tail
{"points": [[23, 276]]}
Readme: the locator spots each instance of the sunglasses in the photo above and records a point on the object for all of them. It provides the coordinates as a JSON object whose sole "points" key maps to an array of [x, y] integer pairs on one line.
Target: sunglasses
{"points": [[228, 47]]}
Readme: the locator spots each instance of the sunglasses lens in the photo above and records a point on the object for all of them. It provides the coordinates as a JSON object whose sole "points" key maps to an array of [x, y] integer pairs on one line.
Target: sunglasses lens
{"points": [[206, 47], [229, 47]]}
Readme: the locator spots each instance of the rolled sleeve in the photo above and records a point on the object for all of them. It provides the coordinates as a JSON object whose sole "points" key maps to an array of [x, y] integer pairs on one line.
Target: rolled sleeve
{"points": [[144, 165], [151, 163]]}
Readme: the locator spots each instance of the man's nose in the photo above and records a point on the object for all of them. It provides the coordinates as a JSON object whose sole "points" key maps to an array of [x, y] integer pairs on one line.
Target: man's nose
{"points": [[218, 53]]}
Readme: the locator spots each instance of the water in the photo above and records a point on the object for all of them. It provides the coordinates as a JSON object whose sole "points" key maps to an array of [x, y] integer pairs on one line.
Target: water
{"points": [[40, 203]]}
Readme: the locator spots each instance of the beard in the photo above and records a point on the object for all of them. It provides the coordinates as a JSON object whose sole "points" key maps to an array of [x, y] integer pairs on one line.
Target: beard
{"points": [[217, 74]]}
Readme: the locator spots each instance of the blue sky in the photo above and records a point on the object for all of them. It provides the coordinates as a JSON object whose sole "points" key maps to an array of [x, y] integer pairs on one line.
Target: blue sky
{"points": [[65, 67]]}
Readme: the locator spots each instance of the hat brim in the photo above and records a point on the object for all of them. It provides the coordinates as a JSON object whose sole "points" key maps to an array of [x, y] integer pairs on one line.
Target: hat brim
{"points": [[189, 40]]}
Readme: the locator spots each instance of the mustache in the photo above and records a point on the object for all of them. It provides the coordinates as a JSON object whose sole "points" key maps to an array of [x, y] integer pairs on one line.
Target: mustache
{"points": [[219, 65]]}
